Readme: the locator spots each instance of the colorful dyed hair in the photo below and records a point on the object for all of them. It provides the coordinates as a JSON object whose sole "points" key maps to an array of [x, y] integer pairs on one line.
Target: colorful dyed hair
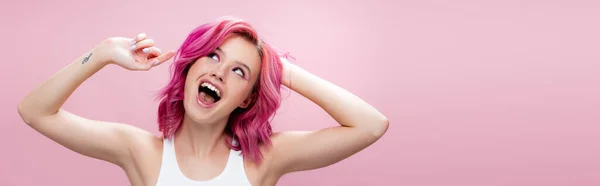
{"points": [[250, 127]]}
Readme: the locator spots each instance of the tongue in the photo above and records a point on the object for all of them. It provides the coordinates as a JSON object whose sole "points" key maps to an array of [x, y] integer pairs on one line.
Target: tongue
{"points": [[205, 98]]}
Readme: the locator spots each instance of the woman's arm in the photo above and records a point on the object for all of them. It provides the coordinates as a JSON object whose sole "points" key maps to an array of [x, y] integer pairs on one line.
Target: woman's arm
{"points": [[361, 125], [41, 108]]}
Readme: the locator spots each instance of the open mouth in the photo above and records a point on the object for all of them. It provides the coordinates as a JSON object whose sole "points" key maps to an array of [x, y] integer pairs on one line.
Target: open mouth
{"points": [[208, 93]]}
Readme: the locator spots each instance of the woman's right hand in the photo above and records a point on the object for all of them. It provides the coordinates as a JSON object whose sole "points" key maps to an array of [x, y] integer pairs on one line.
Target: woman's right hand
{"points": [[110, 141], [136, 53]]}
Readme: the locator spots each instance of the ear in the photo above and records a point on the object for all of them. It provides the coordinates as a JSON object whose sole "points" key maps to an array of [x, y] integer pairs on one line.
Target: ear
{"points": [[248, 101]]}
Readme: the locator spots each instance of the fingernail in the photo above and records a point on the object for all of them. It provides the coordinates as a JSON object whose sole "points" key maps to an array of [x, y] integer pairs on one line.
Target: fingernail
{"points": [[155, 62], [133, 47], [146, 50], [133, 41]]}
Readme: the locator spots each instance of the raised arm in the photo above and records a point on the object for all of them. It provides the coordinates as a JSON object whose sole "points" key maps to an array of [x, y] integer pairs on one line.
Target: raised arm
{"points": [[360, 125], [41, 108]]}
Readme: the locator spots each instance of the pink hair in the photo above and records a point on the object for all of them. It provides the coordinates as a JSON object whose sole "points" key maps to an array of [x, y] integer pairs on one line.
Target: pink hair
{"points": [[250, 127]]}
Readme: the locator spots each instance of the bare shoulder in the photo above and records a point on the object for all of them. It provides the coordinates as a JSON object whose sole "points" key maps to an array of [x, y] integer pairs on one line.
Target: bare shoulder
{"points": [[293, 151], [265, 173], [146, 157], [140, 141], [261, 173], [145, 142]]}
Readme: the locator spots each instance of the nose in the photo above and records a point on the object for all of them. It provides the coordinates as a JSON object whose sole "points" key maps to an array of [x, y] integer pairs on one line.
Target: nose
{"points": [[217, 76], [218, 73]]}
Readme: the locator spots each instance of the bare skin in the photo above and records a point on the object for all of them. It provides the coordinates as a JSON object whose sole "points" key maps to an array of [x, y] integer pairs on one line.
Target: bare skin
{"points": [[201, 141]]}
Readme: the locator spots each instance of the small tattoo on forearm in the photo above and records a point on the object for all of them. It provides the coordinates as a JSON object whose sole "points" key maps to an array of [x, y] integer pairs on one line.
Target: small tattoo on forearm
{"points": [[86, 58]]}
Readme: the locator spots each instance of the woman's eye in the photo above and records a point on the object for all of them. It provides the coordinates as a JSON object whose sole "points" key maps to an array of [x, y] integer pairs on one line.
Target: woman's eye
{"points": [[239, 71], [214, 56]]}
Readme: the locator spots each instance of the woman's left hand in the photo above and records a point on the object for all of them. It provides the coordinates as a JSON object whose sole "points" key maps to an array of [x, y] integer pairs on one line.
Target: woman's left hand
{"points": [[361, 125]]}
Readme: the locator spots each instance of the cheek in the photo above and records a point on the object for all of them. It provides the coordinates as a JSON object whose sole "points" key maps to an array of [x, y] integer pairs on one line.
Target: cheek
{"points": [[188, 91], [239, 90], [198, 67], [188, 85]]}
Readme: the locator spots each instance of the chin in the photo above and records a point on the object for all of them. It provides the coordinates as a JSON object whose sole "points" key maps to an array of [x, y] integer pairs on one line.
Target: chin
{"points": [[199, 118], [198, 113]]}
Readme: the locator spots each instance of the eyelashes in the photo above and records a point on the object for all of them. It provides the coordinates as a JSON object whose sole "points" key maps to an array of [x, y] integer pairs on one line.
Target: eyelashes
{"points": [[214, 56], [239, 71]]}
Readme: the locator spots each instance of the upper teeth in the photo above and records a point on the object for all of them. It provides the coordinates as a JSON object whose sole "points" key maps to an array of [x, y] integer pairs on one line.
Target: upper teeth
{"points": [[211, 87]]}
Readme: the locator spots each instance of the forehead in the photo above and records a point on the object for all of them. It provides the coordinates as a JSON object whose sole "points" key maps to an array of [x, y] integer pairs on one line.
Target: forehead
{"points": [[238, 48]]}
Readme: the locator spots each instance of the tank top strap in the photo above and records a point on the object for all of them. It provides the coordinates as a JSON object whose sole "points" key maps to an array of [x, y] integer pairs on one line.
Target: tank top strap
{"points": [[235, 165], [169, 169], [170, 174]]}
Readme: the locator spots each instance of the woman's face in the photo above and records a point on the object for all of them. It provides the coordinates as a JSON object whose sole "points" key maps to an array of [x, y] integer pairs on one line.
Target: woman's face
{"points": [[222, 81]]}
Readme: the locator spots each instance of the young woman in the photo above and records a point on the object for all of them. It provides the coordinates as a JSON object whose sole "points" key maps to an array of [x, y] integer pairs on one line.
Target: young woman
{"points": [[214, 114]]}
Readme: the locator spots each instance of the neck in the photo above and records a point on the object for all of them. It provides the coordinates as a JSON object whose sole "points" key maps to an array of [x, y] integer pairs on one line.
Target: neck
{"points": [[201, 139]]}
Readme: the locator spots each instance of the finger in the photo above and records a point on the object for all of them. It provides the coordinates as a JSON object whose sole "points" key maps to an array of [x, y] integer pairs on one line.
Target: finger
{"points": [[139, 37], [162, 58], [153, 51], [140, 66], [143, 44], [154, 62]]}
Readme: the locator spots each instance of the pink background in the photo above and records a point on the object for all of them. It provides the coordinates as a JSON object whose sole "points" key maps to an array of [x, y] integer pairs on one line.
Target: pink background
{"points": [[478, 93]]}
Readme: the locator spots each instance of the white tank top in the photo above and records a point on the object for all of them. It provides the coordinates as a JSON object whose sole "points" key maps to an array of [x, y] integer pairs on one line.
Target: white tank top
{"points": [[170, 174]]}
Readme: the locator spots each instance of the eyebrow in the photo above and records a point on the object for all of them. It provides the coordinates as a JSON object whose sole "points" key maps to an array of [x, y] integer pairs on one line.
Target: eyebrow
{"points": [[239, 62]]}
